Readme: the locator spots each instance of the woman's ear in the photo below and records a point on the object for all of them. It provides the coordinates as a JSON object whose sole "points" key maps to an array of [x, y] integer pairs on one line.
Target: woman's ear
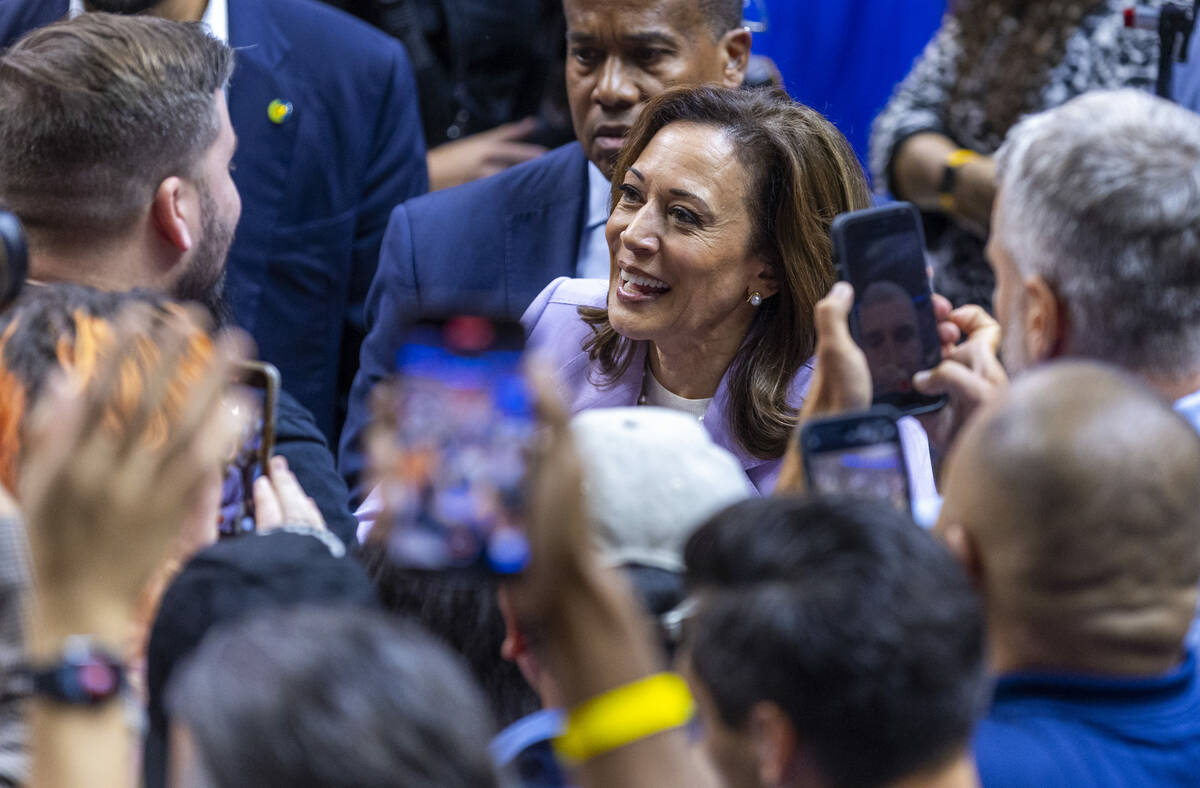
{"points": [[765, 281]]}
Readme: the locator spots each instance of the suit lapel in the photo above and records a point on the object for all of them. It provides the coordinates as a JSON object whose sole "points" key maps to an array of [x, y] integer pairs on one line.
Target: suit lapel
{"points": [[543, 242], [266, 150]]}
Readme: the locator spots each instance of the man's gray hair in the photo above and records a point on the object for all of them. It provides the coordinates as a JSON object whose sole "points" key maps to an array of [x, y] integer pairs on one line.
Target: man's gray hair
{"points": [[1101, 197]]}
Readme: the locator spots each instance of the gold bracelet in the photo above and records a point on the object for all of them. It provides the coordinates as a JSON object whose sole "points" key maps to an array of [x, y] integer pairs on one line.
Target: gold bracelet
{"points": [[625, 715]]}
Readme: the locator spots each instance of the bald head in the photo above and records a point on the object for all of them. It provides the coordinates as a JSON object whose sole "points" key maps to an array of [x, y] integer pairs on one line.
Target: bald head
{"points": [[1079, 493]]}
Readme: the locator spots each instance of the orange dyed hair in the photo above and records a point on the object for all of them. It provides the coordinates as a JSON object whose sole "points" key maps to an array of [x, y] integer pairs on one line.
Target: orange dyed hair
{"points": [[85, 347]]}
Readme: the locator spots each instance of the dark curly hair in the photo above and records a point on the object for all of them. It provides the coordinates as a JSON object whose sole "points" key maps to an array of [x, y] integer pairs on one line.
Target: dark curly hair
{"points": [[1005, 74]]}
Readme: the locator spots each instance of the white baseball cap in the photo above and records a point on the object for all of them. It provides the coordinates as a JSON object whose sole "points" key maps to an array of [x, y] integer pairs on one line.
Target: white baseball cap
{"points": [[651, 477]]}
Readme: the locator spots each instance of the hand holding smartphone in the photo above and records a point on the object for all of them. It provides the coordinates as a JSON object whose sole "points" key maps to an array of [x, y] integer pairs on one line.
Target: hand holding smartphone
{"points": [[881, 252], [256, 385]]}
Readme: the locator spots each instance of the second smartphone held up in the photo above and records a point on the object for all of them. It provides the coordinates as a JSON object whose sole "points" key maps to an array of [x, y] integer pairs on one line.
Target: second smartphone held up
{"points": [[857, 454]]}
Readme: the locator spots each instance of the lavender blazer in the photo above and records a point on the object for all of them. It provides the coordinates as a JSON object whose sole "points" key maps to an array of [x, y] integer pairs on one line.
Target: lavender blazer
{"points": [[556, 334]]}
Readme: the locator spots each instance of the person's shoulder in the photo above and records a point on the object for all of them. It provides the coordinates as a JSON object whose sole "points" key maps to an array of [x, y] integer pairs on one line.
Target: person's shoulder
{"points": [[553, 177], [18, 17], [561, 299], [1009, 753], [556, 332], [326, 34]]}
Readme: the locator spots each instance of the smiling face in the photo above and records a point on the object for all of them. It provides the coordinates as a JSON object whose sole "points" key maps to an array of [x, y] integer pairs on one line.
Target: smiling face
{"points": [[622, 53], [680, 243]]}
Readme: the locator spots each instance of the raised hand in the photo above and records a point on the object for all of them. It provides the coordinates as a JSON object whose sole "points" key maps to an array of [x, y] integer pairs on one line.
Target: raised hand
{"points": [[104, 497]]}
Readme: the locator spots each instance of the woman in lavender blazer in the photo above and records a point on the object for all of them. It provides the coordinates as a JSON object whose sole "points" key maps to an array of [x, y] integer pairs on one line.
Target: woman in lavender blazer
{"points": [[719, 244]]}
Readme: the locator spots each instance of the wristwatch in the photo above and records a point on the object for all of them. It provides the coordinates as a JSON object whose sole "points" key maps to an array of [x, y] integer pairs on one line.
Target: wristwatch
{"points": [[86, 675], [950, 177]]}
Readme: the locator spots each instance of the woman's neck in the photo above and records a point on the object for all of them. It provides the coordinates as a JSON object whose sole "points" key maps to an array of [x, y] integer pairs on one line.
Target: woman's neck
{"points": [[693, 370]]}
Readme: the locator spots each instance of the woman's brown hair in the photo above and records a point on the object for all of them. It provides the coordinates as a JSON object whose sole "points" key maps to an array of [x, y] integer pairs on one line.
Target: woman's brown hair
{"points": [[1006, 79], [804, 173]]}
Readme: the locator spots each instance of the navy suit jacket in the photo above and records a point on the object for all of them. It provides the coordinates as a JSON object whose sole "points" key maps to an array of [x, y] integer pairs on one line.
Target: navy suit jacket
{"points": [[486, 247], [316, 189]]}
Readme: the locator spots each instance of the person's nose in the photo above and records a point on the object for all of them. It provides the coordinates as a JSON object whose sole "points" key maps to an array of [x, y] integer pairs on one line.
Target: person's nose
{"points": [[617, 87], [642, 235]]}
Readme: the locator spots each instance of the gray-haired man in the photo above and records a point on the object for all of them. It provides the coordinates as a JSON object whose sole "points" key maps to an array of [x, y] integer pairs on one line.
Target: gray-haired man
{"points": [[1095, 244]]}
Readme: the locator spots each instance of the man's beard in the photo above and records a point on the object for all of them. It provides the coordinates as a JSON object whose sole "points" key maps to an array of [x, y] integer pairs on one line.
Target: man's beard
{"points": [[204, 280], [121, 6]]}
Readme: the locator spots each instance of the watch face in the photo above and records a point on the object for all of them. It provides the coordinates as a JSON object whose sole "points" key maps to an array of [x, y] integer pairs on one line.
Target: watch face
{"points": [[97, 679], [86, 676]]}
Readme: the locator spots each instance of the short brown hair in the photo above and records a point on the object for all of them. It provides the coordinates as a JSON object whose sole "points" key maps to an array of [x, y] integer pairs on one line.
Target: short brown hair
{"points": [[97, 111], [804, 174]]}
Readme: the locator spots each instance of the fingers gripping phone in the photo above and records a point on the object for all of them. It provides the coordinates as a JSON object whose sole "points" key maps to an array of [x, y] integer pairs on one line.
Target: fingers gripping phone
{"points": [[464, 420], [857, 454], [881, 252], [256, 387]]}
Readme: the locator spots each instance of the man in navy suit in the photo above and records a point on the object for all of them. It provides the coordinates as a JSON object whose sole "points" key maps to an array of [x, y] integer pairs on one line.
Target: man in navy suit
{"points": [[115, 153], [330, 141], [490, 246]]}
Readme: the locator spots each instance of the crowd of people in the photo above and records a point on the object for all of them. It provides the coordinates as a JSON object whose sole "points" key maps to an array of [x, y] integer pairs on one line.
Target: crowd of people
{"points": [[203, 183]]}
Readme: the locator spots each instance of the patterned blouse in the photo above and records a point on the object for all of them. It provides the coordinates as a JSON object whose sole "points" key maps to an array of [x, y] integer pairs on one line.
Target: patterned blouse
{"points": [[1102, 54]]}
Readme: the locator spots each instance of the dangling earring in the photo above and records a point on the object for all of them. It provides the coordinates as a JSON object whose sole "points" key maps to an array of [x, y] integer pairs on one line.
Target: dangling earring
{"points": [[755, 298]]}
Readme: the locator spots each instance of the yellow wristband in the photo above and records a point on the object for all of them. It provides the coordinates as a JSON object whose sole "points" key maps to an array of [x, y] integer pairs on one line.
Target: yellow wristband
{"points": [[960, 157], [624, 715], [953, 161]]}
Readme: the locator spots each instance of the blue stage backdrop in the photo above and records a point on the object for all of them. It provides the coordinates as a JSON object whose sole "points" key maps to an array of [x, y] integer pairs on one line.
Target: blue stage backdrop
{"points": [[843, 57]]}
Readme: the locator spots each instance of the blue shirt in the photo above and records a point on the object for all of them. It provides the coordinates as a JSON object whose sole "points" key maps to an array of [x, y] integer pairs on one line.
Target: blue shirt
{"points": [[1055, 730], [592, 262]]}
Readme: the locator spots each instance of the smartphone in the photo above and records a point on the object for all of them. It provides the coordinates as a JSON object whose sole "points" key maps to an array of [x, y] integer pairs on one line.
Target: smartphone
{"points": [[256, 386], [857, 454], [14, 258], [881, 252], [464, 421]]}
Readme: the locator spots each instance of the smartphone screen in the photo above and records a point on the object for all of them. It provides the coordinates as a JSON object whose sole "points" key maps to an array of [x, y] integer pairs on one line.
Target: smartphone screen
{"points": [[254, 389], [881, 252], [464, 421], [14, 258], [857, 455]]}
